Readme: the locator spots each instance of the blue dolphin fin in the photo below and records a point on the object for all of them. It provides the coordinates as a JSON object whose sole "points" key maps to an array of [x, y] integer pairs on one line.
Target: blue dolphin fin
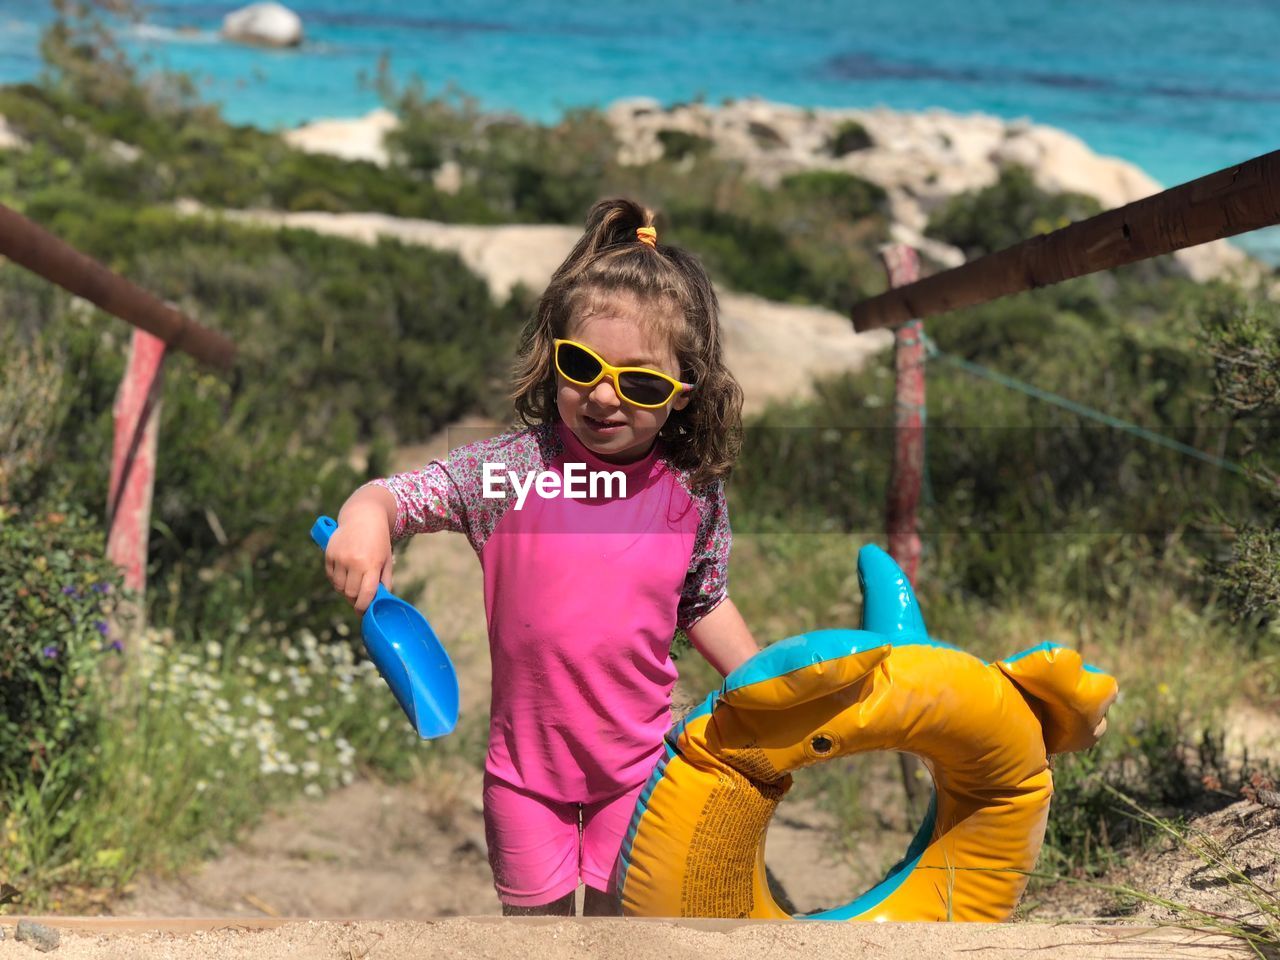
{"points": [[888, 603]]}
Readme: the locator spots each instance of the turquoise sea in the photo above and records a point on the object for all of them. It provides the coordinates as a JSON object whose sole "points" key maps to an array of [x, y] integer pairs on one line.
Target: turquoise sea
{"points": [[1180, 87]]}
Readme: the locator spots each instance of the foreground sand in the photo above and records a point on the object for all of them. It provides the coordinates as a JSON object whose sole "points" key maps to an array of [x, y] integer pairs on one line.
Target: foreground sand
{"points": [[543, 939]]}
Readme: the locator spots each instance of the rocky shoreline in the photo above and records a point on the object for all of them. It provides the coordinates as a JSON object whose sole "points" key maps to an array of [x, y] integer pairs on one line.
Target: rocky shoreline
{"points": [[920, 159]]}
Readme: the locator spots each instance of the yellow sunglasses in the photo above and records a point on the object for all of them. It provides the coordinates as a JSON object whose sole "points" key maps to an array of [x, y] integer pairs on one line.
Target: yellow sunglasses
{"points": [[638, 386]]}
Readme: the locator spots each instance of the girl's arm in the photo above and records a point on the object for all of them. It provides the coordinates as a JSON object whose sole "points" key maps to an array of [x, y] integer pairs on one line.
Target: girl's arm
{"points": [[442, 495], [370, 501], [359, 555], [723, 639]]}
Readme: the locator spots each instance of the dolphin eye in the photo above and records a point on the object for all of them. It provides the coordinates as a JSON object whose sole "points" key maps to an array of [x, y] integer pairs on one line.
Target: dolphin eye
{"points": [[821, 744]]}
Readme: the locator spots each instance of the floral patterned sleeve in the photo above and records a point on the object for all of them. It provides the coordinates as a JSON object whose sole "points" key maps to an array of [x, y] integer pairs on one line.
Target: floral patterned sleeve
{"points": [[449, 494], [707, 583], [427, 500]]}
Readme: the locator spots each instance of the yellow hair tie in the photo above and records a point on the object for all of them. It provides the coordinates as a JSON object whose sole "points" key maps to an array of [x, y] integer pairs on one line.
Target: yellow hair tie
{"points": [[647, 235]]}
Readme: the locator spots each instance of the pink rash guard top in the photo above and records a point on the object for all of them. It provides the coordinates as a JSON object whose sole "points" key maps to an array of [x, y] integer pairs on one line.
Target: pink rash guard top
{"points": [[583, 596]]}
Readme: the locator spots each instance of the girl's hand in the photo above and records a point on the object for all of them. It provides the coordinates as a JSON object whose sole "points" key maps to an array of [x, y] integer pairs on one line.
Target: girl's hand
{"points": [[358, 556]]}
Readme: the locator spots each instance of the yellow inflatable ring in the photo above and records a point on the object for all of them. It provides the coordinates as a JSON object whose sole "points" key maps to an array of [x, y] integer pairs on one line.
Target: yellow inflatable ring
{"points": [[696, 844]]}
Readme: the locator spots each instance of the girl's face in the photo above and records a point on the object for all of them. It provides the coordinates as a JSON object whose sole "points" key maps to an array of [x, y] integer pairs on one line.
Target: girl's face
{"points": [[608, 426]]}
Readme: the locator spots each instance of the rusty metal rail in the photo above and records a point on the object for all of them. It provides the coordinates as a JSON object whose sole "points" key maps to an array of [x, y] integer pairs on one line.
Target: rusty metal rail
{"points": [[1223, 204], [32, 246]]}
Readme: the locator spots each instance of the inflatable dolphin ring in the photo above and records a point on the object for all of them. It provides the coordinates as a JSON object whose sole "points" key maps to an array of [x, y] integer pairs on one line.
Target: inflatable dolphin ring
{"points": [[695, 847]]}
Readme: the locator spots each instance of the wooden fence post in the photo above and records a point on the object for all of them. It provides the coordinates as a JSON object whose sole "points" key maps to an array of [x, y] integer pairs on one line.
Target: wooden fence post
{"points": [[133, 464], [906, 476], [902, 266]]}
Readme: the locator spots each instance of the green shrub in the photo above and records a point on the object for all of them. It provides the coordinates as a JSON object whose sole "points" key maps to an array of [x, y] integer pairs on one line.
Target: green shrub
{"points": [[848, 137], [841, 195], [513, 170], [1242, 335], [191, 152], [1250, 579], [541, 174], [28, 110], [32, 400], [1006, 213], [432, 129], [765, 136], [1008, 475], [678, 144], [57, 592], [746, 254], [339, 343]]}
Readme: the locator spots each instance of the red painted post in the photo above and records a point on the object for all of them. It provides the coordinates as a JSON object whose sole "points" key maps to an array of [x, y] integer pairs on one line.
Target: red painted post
{"points": [[133, 460], [906, 476]]}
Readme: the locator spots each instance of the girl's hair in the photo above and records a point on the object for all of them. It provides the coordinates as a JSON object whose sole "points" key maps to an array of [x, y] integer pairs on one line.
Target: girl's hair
{"points": [[610, 262]]}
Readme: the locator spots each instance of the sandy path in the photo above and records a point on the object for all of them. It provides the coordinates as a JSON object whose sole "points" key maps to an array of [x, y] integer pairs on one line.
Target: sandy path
{"points": [[539, 939]]}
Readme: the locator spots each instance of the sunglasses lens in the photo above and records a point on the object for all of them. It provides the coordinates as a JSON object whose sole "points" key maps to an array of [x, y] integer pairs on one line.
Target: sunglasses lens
{"points": [[576, 364], [644, 388]]}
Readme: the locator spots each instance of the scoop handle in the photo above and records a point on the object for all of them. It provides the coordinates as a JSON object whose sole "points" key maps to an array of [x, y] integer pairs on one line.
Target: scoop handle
{"points": [[322, 530]]}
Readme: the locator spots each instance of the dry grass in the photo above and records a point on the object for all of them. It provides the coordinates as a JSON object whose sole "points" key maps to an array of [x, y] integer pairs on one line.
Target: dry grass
{"points": [[31, 409]]}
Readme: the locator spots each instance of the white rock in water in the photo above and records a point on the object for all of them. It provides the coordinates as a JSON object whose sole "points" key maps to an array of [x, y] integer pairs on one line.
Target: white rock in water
{"points": [[265, 24]]}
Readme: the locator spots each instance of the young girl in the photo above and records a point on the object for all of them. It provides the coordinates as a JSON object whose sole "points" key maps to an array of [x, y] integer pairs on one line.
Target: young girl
{"points": [[619, 378]]}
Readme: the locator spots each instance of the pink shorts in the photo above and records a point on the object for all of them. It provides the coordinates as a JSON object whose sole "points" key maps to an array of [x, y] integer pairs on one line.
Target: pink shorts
{"points": [[539, 848]]}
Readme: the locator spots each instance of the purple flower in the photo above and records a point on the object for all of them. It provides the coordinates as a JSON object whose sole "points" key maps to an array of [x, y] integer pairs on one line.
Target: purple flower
{"points": [[101, 626], [101, 588], [115, 645], [70, 591], [50, 652]]}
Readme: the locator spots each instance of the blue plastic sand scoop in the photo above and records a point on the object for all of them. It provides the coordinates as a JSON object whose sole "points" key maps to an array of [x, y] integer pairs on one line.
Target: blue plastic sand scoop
{"points": [[408, 654]]}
